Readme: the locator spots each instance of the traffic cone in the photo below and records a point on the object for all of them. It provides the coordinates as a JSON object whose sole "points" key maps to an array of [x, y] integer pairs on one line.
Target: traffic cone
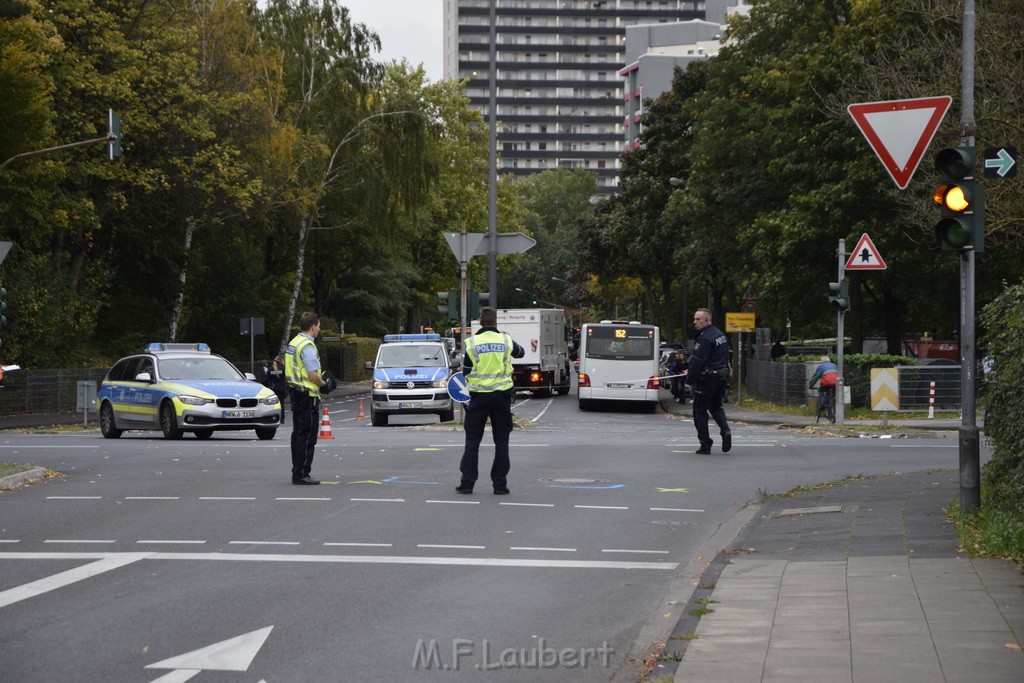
{"points": [[360, 415], [325, 426]]}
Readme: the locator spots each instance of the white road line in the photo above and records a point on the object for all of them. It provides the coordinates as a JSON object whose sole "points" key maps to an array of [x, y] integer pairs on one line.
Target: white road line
{"points": [[621, 550], [152, 497], [74, 497], [900, 445], [541, 413], [263, 542], [601, 507], [172, 542], [553, 550], [456, 502], [10, 540], [351, 559], [377, 500], [675, 510], [531, 505], [302, 499], [77, 540], [104, 563], [367, 545], [451, 547], [227, 498]]}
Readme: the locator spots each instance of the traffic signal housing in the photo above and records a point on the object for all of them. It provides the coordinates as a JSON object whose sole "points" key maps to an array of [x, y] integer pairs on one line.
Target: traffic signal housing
{"points": [[840, 295], [476, 300], [448, 303], [3, 306], [961, 201]]}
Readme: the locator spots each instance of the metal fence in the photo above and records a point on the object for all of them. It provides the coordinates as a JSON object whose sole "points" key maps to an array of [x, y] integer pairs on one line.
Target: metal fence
{"points": [[44, 391], [786, 384]]}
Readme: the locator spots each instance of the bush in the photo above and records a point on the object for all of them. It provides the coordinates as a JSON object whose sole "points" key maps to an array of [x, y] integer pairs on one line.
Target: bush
{"points": [[1003, 477]]}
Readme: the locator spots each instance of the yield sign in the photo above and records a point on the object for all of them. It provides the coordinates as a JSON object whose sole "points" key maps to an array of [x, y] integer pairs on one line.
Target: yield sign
{"points": [[865, 256], [899, 131]]}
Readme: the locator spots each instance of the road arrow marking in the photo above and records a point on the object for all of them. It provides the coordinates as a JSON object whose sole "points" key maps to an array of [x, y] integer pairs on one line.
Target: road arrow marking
{"points": [[233, 654]]}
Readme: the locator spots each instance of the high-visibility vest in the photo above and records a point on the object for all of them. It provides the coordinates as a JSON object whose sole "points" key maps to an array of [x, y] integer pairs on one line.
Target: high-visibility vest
{"points": [[294, 370], [491, 353]]}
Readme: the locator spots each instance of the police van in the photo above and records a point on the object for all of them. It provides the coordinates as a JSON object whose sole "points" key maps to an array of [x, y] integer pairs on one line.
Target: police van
{"points": [[410, 377]]}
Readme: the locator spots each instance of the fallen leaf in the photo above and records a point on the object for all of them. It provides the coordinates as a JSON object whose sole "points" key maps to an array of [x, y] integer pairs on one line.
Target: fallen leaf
{"points": [[1012, 646]]}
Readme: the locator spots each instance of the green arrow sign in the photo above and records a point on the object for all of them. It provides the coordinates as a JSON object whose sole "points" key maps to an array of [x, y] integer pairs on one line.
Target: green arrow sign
{"points": [[1000, 162]]}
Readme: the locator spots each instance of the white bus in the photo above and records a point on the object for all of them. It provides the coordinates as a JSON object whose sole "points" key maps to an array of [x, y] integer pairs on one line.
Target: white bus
{"points": [[618, 362]]}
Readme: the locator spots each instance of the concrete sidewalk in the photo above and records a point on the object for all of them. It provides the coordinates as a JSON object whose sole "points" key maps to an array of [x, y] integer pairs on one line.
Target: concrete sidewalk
{"points": [[860, 581], [856, 582]]}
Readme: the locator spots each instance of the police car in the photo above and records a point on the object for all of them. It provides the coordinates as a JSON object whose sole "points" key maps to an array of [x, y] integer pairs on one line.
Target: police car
{"points": [[180, 388], [410, 377]]}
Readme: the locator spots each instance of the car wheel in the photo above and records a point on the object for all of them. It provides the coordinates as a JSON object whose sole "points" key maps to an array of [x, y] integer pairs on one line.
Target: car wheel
{"points": [[169, 422], [108, 428], [266, 433], [448, 415], [378, 419], [203, 434]]}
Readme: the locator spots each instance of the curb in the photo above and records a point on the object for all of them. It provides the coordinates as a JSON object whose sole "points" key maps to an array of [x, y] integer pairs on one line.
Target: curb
{"points": [[10, 481]]}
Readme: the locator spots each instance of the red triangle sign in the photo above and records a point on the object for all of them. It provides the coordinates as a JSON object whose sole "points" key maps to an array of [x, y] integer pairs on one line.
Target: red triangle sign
{"points": [[899, 131], [865, 256]]}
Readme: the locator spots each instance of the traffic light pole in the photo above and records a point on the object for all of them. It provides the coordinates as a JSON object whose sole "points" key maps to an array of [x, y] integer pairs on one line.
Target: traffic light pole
{"points": [[840, 342], [970, 462]]}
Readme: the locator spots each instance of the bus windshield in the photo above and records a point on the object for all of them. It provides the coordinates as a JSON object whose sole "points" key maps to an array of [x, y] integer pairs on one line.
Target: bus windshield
{"points": [[626, 342]]}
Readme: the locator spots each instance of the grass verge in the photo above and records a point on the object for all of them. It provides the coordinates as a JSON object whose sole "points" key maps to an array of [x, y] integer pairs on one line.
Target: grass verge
{"points": [[988, 533], [10, 468]]}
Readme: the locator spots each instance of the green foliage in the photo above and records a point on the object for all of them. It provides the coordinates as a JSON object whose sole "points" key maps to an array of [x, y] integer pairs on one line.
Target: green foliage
{"points": [[1003, 475]]}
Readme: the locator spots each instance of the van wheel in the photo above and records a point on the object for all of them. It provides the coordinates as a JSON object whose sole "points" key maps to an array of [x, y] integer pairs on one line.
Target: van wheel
{"points": [[448, 415], [585, 404], [378, 419]]}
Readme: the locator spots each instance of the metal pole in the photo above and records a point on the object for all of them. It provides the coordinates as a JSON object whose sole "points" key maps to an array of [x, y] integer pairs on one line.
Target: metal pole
{"points": [[970, 461], [840, 342], [492, 195], [252, 347]]}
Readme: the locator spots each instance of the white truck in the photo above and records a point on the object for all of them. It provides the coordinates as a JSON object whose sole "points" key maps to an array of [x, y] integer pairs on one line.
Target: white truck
{"points": [[545, 369]]}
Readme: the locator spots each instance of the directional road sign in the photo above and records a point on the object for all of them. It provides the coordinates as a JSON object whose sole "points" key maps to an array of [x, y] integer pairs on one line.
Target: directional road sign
{"points": [[457, 388], [899, 131], [1000, 162], [865, 256], [4, 248], [477, 243]]}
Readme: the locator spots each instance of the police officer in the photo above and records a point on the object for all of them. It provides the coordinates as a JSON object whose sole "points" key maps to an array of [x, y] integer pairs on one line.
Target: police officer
{"points": [[488, 364], [707, 373], [305, 386]]}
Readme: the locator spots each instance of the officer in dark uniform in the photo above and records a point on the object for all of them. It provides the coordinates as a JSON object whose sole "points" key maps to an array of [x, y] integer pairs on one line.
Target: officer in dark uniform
{"points": [[707, 373]]}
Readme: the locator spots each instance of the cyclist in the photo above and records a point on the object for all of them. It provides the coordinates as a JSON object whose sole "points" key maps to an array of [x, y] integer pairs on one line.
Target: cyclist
{"points": [[825, 374]]}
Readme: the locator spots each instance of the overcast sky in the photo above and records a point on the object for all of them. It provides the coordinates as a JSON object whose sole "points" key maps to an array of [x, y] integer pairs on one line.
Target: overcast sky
{"points": [[407, 28]]}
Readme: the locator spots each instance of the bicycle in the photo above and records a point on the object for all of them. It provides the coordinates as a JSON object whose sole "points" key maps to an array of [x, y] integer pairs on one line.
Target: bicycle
{"points": [[828, 405]]}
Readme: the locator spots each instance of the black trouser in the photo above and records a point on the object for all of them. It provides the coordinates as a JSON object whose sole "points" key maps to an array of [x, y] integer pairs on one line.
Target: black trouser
{"points": [[708, 395], [305, 430], [496, 405]]}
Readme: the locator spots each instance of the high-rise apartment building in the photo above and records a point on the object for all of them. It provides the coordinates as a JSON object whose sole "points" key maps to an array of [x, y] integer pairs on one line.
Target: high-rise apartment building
{"points": [[559, 95]]}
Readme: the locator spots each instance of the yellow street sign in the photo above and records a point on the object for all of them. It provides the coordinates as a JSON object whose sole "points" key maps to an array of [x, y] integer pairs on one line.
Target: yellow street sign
{"points": [[740, 322]]}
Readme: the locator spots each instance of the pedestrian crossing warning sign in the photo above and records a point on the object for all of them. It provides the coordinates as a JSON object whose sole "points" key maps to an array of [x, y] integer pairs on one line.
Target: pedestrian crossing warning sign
{"points": [[865, 256]]}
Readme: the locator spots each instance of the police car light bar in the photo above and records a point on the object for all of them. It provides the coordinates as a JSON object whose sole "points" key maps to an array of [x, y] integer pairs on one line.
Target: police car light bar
{"points": [[156, 347], [429, 336]]}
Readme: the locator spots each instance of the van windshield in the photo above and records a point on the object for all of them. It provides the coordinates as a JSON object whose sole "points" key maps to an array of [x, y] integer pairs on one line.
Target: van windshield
{"points": [[412, 356]]}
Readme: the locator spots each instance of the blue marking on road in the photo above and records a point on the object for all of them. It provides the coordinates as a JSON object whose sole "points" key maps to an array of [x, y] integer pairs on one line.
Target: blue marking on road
{"points": [[400, 480]]}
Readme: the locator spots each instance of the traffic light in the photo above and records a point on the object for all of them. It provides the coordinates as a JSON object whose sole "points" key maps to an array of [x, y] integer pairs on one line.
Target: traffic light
{"points": [[448, 304], [475, 301], [113, 135], [961, 199], [840, 295]]}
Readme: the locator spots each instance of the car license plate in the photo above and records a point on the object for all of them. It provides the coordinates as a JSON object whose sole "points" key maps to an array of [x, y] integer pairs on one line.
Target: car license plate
{"points": [[619, 386], [402, 406], [239, 413]]}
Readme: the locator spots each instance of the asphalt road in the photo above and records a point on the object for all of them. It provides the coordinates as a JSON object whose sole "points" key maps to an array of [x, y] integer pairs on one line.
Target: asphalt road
{"points": [[176, 560]]}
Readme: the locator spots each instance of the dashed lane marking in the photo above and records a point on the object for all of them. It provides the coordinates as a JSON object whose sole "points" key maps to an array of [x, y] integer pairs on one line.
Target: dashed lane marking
{"points": [[624, 550], [360, 545], [546, 550], [78, 540], [10, 540], [455, 502], [451, 547], [377, 500], [530, 505], [601, 507], [172, 542], [263, 542], [152, 497], [74, 497], [303, 498], [227, 497], [675, 510]]}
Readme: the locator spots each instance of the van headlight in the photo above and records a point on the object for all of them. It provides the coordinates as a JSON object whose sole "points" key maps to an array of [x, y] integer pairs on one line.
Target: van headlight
{"points": [[377, 384], [440, 384]]}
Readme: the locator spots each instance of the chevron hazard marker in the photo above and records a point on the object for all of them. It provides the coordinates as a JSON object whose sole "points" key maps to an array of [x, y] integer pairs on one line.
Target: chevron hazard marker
{"points": [[885, 389]]}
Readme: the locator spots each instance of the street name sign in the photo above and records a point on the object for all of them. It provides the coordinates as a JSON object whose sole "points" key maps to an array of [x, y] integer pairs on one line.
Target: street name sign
{"points": [[1000, 162], [739, 322], [865, 256], [899, 131]]}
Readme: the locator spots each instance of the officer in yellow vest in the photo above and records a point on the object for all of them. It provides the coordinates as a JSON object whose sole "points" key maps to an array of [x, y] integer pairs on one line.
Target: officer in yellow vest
{"points": [[488, 363], [305, 386]]}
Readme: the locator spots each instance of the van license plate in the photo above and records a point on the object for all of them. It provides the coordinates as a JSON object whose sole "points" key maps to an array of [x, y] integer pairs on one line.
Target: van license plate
{"points": [[239, 413], [619, 386], [403, 406]]}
